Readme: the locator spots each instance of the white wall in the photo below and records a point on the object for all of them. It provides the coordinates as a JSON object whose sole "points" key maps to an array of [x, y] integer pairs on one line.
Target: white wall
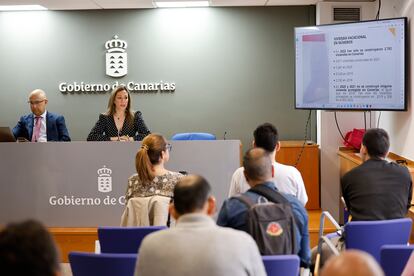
{"points": [[400, 125], [329, 138]]}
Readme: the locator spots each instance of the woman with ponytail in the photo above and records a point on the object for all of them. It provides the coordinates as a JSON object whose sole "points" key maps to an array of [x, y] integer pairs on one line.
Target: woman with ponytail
{"points": [[152, 180]]}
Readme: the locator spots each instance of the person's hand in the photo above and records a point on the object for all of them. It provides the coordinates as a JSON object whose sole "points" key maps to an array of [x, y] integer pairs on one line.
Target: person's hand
{"points": [[21, 139], [126, 138]]}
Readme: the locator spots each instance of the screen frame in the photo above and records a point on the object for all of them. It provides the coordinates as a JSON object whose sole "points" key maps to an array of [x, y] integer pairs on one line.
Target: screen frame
{"points": [[361, 109]]}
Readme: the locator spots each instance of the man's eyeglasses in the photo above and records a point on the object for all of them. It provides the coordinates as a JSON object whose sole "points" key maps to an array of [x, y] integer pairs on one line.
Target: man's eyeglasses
{"points": [[35, 102], [168, 147]]}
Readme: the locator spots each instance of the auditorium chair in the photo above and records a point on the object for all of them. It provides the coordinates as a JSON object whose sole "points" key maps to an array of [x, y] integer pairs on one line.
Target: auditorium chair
{"points": [[193, 136], [367, 236], [394, 258], [124, 239], [287, 265], [89, 264]]}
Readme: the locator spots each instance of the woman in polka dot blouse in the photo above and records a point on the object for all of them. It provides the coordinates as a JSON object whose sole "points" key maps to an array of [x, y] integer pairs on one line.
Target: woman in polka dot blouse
{"points": [[119, 123]]}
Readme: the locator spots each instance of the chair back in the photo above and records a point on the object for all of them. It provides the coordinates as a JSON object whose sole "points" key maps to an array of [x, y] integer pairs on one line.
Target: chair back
{"points": [[88, 264], [369, 236], [287, 265], [193, 136], [124, 239], [394, 258]]}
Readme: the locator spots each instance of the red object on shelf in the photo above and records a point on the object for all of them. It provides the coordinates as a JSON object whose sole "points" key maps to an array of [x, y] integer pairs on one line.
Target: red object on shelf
{"points": [[354, 138]]}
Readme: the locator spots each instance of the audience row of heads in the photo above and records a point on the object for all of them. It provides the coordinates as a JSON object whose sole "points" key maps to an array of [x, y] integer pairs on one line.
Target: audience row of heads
{"points": [[257, 164], [27, 248]]}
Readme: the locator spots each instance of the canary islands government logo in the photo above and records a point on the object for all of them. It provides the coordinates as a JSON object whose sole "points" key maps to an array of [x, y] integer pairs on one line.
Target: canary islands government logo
{"points": [[104, 180], [116, 57]]}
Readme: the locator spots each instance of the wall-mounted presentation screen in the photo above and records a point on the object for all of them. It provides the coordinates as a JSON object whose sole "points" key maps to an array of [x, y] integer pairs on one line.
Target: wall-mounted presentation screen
{"points": [[355, 66]]}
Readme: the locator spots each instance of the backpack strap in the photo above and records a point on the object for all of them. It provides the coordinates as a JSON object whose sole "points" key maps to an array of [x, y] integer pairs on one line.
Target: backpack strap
{"points": [[245, 199], [169, 214], [270, 194]]}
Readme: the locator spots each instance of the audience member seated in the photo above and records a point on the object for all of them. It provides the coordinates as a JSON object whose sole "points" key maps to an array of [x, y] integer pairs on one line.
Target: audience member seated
{"points": [[197, 246], [41, 125], [27, 248], [152, 185], [119, 122], [258, 170], [377, 189], [287, 178], [352, 263], [409, 267]]}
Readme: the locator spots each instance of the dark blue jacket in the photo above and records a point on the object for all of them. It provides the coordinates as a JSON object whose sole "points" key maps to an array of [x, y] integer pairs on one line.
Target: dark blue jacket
{"points": [[233, 214], [55, 127]]}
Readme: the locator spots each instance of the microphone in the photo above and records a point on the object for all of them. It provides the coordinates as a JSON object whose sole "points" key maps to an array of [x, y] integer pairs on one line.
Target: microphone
{"points": [[224, 136]]}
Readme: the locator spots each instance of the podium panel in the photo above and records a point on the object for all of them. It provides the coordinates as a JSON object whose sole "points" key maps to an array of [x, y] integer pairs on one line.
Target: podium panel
{"points": [[308, 166], [83, 184]]}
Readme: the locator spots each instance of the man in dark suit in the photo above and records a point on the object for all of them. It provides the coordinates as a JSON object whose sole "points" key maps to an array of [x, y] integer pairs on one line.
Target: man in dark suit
{"points": [[41, 125], [377, 189]]}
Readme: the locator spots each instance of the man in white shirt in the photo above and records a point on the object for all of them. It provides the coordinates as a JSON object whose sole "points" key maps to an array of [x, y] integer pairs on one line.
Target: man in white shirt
{"points": [[287, 179]]}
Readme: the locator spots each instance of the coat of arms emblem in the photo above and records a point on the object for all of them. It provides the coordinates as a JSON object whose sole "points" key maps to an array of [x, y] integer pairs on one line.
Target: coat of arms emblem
{"points": [[104, 180], [116, 57]]}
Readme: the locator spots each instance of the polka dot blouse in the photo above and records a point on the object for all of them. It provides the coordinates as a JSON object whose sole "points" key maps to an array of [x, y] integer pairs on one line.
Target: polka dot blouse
{"points": [[105, 128]]}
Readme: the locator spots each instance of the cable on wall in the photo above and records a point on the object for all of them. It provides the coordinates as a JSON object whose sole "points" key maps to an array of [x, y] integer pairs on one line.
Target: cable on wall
{"points": [[365, 120], [337, 126], [304, 140], [379, 10], [379, 117]]}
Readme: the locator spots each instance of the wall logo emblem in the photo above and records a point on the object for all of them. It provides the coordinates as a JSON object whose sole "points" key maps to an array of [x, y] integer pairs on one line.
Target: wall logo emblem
{"points": [[116, 57], [104, 180]]}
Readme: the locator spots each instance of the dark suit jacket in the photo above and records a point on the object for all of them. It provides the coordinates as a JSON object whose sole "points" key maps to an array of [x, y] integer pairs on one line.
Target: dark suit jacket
{"points": [[55, 127], [377, 190]]}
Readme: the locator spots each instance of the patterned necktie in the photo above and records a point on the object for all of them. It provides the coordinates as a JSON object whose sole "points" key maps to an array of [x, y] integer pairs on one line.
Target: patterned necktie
{"points": [[36, 128]]}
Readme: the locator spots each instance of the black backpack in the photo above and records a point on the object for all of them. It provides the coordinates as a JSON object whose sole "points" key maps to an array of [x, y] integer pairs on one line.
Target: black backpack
{"points": [[271, 224]]}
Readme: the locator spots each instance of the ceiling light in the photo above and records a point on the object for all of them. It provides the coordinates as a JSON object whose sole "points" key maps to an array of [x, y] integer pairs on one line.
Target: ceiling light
{"points": [[180, 4], [22, 8]]}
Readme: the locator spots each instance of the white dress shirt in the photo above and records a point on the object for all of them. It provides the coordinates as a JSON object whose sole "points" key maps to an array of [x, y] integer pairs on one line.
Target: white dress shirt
{"points": [[287, 179]]}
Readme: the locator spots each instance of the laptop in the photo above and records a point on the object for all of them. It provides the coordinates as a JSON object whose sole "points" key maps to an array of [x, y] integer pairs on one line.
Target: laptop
{"points": [[6, 135]]}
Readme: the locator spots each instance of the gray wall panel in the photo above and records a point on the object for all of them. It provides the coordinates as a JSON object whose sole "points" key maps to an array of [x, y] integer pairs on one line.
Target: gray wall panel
{"points": [[234, 67]]}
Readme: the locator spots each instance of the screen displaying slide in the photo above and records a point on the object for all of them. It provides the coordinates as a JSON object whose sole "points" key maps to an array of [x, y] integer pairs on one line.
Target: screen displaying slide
{"points": [[351, 66]]}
